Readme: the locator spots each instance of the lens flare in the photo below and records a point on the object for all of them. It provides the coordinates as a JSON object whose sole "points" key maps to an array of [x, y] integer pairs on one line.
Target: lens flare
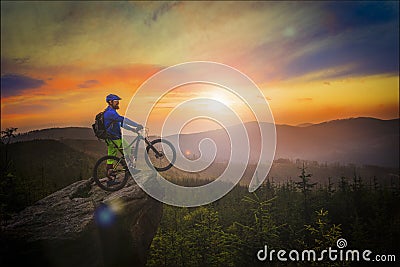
{"points": [[104, 216]]}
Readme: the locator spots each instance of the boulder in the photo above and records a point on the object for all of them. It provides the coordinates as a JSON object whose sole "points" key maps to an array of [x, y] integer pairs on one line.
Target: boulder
{"points": [[82, 225]]}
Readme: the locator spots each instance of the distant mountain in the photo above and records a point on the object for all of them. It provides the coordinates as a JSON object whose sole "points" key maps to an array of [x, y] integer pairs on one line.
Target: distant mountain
{"points": [[81, 133], [356, 140], [304, 124]]}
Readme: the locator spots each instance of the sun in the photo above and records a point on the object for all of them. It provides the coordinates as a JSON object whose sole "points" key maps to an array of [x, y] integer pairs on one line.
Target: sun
{"points": [[223, 96]]}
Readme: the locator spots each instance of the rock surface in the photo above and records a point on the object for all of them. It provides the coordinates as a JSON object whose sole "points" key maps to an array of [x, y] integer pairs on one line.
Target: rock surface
{"points": [[82, 225]]}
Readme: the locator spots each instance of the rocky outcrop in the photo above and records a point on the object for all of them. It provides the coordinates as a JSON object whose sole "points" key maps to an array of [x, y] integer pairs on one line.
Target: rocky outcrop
{"points": [[82, 225]]}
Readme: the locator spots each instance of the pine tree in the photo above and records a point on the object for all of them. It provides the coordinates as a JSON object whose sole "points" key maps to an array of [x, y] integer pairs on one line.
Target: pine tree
{"points": [[323, 235], [305, 187]]}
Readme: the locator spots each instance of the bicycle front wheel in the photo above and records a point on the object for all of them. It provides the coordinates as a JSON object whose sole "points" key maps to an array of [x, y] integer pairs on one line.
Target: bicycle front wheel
{"points": [[160, 154], [112, 180]]}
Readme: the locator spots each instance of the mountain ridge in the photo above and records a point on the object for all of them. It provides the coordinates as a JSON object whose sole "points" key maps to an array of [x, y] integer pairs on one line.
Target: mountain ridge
{"points": [[302, 125], [361, 140]]}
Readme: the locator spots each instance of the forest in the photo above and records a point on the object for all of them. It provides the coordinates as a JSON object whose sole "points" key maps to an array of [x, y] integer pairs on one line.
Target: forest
{"points": [[33, 170], [303, 212], [294, 215]]}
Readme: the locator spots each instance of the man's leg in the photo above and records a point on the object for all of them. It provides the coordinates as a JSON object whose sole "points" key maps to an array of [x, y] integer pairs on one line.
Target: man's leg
{"points": [[112, 151]]}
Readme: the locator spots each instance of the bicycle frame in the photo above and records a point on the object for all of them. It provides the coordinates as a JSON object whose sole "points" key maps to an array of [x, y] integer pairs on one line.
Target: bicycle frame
{"points": [[136, 141]]}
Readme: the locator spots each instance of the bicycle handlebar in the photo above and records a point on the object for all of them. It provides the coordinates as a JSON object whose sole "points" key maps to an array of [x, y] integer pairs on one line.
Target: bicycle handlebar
{"points": [[142, 132]]}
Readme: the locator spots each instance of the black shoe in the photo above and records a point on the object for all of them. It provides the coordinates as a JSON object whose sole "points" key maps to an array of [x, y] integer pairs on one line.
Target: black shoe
{"points": [[112, 182]]}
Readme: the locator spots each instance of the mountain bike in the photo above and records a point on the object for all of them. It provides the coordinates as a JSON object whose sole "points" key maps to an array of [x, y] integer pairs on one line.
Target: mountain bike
{"points": [[160, 154]]}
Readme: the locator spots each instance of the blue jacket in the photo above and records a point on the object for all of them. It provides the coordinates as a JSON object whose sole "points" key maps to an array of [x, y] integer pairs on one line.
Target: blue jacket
{"points": [[113, 122]]}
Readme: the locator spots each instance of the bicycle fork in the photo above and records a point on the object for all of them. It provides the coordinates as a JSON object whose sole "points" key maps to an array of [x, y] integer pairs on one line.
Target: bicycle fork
{"points": [[158, 154]]}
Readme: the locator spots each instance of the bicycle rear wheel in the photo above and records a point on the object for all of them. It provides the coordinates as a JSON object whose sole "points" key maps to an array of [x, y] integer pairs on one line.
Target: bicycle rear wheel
{"points": [[160, 154], [120, 172]]}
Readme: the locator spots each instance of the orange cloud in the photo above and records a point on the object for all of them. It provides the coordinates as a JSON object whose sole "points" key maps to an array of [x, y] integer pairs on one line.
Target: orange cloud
{"points": [[62, 100]]}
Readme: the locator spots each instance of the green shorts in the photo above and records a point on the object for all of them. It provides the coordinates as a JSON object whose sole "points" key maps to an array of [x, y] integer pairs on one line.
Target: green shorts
{"points": [[112, 148]]}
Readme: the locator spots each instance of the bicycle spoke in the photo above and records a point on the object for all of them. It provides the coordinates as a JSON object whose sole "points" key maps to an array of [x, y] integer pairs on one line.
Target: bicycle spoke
{"points": [[111, 179]]}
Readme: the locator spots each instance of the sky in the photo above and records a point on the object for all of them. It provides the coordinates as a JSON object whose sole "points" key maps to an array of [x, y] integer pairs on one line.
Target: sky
{"points": [[313, 61]]}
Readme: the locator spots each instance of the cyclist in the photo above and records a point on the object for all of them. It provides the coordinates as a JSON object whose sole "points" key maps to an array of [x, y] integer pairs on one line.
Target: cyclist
{"points": [[113, 122]]}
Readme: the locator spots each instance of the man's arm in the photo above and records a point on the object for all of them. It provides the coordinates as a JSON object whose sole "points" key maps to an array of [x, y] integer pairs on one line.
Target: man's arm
{"points": [[129, 128], [125, 122]]}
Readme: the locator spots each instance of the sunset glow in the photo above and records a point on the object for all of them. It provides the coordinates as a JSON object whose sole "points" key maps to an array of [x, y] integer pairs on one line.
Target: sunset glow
{"points": [[313, 61]]}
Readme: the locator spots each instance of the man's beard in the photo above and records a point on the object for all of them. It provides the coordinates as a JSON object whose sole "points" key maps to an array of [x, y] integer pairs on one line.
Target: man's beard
{"points": [[116, 107]]}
